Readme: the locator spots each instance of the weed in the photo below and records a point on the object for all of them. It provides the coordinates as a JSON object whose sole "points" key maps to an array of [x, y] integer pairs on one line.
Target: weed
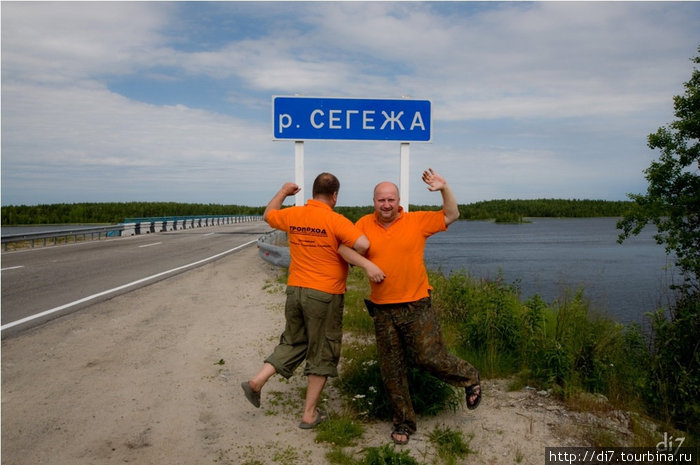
{"points": [[602, 437], [360, 382], [519, 456], [341, 432], [450, 444], [287, 456], [338, 456], [387, 455]]}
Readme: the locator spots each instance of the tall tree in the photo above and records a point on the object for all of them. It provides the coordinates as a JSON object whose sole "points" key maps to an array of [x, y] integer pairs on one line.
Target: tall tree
{"points": [[672, 201]]}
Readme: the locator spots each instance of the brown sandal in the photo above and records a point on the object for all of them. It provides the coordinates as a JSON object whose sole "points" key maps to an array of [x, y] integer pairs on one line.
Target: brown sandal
{"points": [[473, 390]]}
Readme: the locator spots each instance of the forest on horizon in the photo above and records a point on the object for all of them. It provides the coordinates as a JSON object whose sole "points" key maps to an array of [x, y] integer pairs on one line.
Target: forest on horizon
{"points": [[116, 212]]}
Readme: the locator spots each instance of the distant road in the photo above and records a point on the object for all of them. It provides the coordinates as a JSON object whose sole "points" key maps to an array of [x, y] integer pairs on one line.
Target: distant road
{"points": [[60, 279]]}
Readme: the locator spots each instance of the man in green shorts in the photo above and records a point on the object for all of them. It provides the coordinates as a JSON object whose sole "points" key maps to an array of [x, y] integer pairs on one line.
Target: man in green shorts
{"points": [[315, 291]]}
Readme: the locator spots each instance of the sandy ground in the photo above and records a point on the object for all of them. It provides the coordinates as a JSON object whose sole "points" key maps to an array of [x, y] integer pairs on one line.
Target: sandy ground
{"points": [[153, 377]]}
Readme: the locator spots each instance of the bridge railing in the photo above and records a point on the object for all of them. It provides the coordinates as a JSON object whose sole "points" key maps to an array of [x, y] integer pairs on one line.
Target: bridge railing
{"points": [[174, 223], [130, 227]]}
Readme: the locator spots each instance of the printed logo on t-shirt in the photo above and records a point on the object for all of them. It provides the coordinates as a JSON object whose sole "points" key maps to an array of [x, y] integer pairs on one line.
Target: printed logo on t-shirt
{"points": [[307, 231]]}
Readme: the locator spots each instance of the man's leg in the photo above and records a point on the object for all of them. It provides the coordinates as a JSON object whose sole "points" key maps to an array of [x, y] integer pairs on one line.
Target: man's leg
{"points": [[252, 387], [313, 395], [424, 338], [293, 345], [392, 363], [258, 381], [287, 355], [323, 318]]}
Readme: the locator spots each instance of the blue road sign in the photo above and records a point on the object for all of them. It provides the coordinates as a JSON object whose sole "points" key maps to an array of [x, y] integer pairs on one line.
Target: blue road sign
{"points": [[322, 118]]}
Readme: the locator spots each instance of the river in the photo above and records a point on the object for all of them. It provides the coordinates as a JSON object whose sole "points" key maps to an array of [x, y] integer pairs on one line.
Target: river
{"points": [[549, 256]]}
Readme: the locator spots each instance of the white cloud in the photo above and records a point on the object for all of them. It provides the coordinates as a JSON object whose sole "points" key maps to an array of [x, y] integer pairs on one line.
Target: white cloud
{"points": [[545, 98], [59, 42], [74, 136]]}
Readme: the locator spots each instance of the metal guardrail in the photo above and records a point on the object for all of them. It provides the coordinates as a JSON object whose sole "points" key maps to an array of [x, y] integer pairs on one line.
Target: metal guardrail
{"points": [[130, 227], [174, 223], [272, 247], [54, 236]]}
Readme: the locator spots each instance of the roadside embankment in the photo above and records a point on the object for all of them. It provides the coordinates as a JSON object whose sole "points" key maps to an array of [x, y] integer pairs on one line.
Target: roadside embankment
{"points": [[153, 377]]}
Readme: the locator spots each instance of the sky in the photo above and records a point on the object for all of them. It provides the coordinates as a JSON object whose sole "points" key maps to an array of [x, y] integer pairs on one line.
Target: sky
{"points": [[172, 101]]}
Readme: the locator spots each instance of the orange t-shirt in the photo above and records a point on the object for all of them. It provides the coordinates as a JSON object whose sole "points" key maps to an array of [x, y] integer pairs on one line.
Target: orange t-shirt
{"points": [[398, 251], [315, 232]]}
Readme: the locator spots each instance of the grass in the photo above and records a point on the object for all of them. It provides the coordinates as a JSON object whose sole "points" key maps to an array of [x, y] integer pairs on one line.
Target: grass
{"points": [[450, 445], [584, 358], [387, 455], [590, 362], [361, 385], [342, 431], [356, 320]]}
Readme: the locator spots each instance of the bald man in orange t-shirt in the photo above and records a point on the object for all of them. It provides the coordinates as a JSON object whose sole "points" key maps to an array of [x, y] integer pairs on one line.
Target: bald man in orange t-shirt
{"points": [[315, 290], [404, 321]]}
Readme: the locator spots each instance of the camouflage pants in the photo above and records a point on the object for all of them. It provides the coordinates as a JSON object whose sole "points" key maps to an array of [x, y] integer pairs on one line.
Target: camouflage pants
{"points": [[412, 330]]}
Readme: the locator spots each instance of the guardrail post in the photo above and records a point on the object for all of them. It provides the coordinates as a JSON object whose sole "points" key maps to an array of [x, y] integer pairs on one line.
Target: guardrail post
{"points": [[129, 229]]}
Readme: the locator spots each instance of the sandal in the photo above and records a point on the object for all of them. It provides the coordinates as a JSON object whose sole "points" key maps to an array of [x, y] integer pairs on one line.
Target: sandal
{"points": [[321, 416], [252, 396], [473, 390], [400, 430]]}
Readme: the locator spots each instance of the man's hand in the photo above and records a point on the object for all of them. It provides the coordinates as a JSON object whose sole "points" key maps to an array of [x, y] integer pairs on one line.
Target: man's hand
{"points": [[374, 273], [434, 181], [289, 188], [350, 255]]}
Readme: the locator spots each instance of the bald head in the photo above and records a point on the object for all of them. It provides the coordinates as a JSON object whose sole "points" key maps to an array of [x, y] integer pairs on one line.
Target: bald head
{"points": [[386, 202], [386, 187]]}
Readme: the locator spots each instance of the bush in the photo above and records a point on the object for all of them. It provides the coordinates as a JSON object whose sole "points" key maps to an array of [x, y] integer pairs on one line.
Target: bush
{"points": [[563, 346], [674, 388], [485, 316]]}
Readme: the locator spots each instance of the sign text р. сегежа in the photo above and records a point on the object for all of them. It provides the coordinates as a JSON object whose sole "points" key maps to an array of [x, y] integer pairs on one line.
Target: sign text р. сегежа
{"points": [[330, 118]]}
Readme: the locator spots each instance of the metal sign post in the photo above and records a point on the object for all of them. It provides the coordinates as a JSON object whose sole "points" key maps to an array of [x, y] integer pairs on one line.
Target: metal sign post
{"points": [[404, 177], [299, 171], [332, 118]]}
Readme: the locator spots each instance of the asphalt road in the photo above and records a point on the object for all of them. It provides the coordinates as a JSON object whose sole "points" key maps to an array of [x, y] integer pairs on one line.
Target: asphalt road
{"points": [[52, 281]]}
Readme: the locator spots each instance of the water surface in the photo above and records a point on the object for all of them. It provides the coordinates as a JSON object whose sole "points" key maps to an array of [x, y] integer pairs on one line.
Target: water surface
{"points": [[550, 255]]}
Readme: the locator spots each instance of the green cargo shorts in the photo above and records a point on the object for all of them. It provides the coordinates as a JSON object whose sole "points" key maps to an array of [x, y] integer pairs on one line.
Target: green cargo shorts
{"points": [[313, 332]]}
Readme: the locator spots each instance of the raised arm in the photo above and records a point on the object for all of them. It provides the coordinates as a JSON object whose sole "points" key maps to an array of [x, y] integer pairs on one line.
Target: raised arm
{"points": [[288, 188], [436, 182]]}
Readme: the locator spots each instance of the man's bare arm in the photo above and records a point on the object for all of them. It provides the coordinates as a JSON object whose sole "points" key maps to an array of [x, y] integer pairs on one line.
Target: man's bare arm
{"points": [[436, 182], [289, 188], [374, 273]]}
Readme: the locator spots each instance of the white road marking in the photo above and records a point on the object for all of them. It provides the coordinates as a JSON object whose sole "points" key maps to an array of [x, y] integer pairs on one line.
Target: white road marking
{"points": [[12, 268], [119, 288], [148, 245]]}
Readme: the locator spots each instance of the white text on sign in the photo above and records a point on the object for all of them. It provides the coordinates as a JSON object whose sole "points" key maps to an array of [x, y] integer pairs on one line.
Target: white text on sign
{"points": [[333, 118]]}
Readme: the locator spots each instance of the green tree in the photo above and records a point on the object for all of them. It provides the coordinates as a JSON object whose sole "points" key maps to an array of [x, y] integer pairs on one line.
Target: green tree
{"points": [[672, 201]]}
